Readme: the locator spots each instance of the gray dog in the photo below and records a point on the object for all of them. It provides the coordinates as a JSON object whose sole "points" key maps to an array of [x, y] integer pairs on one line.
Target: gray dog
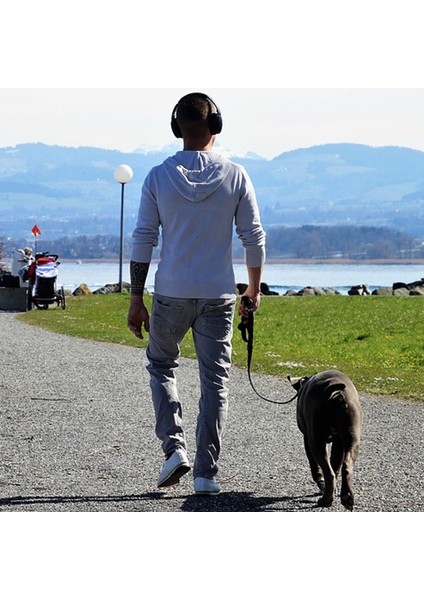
{"points": [[329, 411]]}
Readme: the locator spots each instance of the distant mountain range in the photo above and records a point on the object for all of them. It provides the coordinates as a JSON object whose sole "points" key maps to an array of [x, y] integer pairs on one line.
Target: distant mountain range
{"points": [[72, 191]]}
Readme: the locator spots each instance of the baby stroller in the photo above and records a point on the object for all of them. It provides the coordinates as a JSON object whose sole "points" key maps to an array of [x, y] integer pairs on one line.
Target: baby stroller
{"points": [[43, 275]]}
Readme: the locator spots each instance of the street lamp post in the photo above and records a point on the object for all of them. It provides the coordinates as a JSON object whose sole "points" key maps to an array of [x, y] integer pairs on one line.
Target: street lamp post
{"points": [[123, 174]]}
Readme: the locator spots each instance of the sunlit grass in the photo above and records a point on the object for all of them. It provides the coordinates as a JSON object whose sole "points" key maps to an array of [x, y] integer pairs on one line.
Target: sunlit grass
{"points": [[378, 341]]}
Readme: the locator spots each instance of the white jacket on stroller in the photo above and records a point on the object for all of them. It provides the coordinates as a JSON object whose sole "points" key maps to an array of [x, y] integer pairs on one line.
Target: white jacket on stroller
{"points": [[45, 280]]}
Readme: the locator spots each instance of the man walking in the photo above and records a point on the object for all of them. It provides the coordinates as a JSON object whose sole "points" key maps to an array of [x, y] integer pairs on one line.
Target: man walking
{"points": [[194, 200]]}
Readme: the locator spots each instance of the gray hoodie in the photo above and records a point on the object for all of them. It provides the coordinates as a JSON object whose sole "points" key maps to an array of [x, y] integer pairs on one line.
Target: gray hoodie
{"points": [[194, 199]]}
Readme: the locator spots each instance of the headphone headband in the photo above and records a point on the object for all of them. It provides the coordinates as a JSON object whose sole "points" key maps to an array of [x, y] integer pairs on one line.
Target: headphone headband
{"points": [[214, 118]]}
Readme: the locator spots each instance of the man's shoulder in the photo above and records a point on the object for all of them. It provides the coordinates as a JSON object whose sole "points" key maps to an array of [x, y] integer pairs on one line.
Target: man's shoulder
{"points": [[239, 170]]}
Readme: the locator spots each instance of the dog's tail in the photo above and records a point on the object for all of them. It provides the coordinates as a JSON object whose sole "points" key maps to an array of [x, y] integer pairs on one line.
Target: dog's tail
{"points": [[335, 391], [339, 412], [336, 397]]}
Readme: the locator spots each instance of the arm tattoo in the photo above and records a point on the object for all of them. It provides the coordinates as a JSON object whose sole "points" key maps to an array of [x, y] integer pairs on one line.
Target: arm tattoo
{"points": [[138, 272]]}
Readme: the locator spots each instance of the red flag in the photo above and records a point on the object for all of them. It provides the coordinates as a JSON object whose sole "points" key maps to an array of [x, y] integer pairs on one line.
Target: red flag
{"points": [[36, 231]]}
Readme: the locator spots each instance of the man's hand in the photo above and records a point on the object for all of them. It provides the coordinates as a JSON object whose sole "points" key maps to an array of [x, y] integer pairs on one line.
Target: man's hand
{"points": [[253, 291], [137, 313], [255, 302], [138, 316]]}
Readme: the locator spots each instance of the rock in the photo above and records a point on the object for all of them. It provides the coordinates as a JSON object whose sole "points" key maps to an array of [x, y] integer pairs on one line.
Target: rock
{"points": [[400, 288], [312, 291], [241, 288], [113, 288], [399, 285], [408, 289], [359, 290], [401, 291], [319, 291], [265, 291], [383, 291], [307, 291], [316, 291], [417, 291], [82, 290]]}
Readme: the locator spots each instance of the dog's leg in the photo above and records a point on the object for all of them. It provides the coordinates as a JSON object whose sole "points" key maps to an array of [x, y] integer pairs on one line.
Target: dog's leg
{"points": [[346, 493], [316, 471], [321, 456], [337, 455]]}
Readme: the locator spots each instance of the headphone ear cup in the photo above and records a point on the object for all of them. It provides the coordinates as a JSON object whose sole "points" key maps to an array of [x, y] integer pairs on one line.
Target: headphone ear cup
{"points": [[174, 125], [176, 128], [215, 123]]}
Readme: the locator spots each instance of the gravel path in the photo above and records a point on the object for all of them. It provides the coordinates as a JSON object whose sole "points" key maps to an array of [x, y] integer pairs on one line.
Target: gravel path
{"points": [[77, 434]]}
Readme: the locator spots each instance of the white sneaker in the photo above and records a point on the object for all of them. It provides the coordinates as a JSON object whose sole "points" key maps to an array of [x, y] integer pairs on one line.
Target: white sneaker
{"points": [[174, 468], [203, 485]]}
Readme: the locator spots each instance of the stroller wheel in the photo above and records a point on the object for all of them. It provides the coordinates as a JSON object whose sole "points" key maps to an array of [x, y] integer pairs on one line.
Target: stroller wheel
{"points": [[62, 298], [42, 305]]}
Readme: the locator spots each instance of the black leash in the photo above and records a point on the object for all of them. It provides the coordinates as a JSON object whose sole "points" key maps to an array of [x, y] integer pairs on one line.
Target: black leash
{"points": [[246, 328]]}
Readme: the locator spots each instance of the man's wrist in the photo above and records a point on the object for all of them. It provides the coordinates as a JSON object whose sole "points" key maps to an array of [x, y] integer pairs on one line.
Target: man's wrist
{"points": [[136, 300]]}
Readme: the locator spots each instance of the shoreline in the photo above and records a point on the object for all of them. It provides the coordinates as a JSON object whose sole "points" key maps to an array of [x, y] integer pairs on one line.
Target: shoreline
{"points": [[281, 261], [346, 261]]}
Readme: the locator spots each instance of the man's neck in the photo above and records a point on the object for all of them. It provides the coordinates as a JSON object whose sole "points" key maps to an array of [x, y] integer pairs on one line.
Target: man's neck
{"points": [[200, 145]]}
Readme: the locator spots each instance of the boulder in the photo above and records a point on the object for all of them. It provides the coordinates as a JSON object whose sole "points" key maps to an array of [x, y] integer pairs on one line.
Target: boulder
{"points": [[417, 291], [82, 290], [414, 288], [241, 288], [383, 291], [265, 291], [401, 291], [315, 291], [359, 290], [113, 288], [307, 291], [398, 285]]}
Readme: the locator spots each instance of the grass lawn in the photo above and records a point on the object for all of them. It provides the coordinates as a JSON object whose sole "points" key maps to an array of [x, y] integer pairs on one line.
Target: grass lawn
{"points": [[378, 341]]}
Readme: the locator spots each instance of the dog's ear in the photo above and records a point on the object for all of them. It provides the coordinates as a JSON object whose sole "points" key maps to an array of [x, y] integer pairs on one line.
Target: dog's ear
{"points": [[297, 382]]}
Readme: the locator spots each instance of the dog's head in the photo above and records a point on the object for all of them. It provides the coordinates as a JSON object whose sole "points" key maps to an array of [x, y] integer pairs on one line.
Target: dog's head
{"points": [[297, 382]]}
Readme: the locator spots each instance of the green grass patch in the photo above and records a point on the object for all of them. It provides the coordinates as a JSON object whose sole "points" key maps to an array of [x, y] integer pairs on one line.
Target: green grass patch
{"points": [[378, 341]]}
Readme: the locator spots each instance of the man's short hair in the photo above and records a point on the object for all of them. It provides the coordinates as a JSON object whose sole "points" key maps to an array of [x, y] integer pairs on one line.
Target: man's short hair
{"points": [[194, 108], [192, 114]]}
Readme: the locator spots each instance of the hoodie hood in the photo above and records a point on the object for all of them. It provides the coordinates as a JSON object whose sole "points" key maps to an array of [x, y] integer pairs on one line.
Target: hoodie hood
{"points": [[196, 175]]}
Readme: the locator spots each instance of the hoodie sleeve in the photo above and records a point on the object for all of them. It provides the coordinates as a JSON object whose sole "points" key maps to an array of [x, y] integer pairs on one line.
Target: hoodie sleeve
{"points": [[248, 224], [146, 233]]}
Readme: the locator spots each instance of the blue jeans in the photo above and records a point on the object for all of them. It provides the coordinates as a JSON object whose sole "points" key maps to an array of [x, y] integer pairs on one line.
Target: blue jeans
{"points": [[211, 322]]}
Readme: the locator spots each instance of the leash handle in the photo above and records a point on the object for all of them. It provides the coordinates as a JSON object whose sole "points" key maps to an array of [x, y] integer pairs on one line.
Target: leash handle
{"points": [[247, 303], [246, 325], [246, 328]]}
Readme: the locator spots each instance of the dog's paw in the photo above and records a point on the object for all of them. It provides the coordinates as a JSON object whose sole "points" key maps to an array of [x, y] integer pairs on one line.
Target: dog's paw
{"points": [[325, 502], [347, 501]]}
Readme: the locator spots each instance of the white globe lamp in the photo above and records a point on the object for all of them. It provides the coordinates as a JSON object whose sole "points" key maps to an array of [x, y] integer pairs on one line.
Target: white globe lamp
{"points": [[123, 174]]}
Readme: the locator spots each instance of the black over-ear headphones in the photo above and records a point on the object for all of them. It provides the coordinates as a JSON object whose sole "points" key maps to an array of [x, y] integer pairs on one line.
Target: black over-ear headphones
{"points": [[214, 118]]}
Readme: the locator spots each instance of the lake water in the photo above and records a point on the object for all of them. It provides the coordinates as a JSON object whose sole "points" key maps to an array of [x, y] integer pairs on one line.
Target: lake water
{"points": [[280, 277]]}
